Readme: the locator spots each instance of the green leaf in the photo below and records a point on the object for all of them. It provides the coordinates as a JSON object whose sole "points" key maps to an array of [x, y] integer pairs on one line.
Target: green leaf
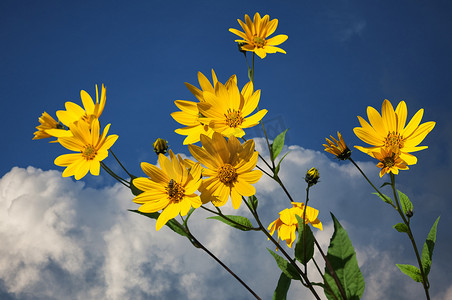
{"points": [[405, 202], [285, 266], [400, 227], [279, 164], [342, 257], [304, 251], [427, 250], [135, 191], [238, 222], [172, 224], [278, 144], [282, 288], [252, 200], [411, 271], [385, 184], [385, 199]]}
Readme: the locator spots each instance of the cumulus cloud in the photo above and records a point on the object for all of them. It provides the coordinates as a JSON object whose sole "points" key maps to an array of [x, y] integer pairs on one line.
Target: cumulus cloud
{"points": [[61, 239]]}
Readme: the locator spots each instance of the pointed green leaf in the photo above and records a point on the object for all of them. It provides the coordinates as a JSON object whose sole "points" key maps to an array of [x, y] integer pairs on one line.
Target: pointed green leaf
{"points": [[238, 222], [304, 251], [278, 144], [411, 271], [342, 257], [427, 250], [173, 224], [285, 266], [279, 164], [400, 227], [405, 202], [385, 184], [252, 200], [282, 288], [385, 199]]}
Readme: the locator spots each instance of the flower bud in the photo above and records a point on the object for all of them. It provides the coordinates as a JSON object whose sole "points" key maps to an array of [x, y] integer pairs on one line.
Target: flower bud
{"points": [[312, 176], [240, 44], [160, 146], [409, 213]]}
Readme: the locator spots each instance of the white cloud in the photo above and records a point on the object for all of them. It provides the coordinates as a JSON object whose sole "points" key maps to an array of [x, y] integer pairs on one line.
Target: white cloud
{"points": [[61, 239]]}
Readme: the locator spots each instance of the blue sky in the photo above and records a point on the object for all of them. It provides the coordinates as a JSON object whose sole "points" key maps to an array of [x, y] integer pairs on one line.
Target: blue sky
{"points": [[342, 56]]}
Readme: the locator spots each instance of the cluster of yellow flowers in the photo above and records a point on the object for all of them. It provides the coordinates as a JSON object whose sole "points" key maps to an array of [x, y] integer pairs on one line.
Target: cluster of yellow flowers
{"points": [[391, 139], [79, 131]]}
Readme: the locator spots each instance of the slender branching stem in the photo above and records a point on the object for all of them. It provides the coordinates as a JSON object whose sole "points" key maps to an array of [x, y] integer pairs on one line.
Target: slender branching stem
{"points": [[113, 174], [425, 282], [130, 175]]}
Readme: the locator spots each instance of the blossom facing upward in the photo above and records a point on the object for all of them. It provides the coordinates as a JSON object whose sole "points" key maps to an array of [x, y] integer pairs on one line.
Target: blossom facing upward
{"points": [[228, 167], [170, 189], [189, 114], [227, 110], [388, 131], [256, 33], [91, 110], [390, 162], [287, 223], [46, 123], [92, 148], [337, 147]]}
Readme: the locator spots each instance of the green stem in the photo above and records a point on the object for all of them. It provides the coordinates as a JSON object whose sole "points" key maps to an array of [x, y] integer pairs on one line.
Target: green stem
{"points": [[368, 180], [425, 282], [130, 175], [219, 213], [113, 174], [201, 246]]}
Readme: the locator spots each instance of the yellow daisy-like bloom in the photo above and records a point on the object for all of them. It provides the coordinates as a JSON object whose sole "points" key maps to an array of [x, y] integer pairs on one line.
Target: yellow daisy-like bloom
{"points": [[90, 112], [229, 168], [47, 123], [170, 189], [92, 148], [256, 33], [390, 162], [337, 147], [190, 115], [287, 223], [226, 109], [388, 130]]}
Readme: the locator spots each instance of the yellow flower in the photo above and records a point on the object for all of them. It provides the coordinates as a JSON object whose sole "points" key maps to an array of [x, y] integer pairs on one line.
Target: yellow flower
{"points": [[189, 114], [256, 33], [226, 109], [389, 162], [229, 168], [91, 111], [287, 223], [388, 130], [337, 147], [47, 123], [170, 189], [91, 148]]}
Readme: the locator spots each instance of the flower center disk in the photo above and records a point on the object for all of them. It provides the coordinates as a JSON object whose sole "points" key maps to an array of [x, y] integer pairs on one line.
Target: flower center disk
{"points": [[227, 174], [394, 140], [89, 152], [234, 118], [175, 191], [258, 41]]}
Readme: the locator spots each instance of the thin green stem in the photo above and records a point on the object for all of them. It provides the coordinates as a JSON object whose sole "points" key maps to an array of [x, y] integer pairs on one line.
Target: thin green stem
{"points": [[425, 282], [201, 246], [130, 175], [368, 180], [113, 174], [219, 213]]}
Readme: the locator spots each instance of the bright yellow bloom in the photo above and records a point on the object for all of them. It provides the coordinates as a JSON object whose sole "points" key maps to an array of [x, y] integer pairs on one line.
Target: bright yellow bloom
{"points": [[256, 33], [226, 109], [91, 111], [337, 147], [229, 168], [170, 189], [287, 223], [389, 162], [388, 131], [91, 147], [189, 114], [47, 123]]}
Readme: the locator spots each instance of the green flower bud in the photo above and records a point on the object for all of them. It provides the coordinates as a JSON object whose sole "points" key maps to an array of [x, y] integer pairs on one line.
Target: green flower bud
{"points": [[312, 176], [160, 146]]}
